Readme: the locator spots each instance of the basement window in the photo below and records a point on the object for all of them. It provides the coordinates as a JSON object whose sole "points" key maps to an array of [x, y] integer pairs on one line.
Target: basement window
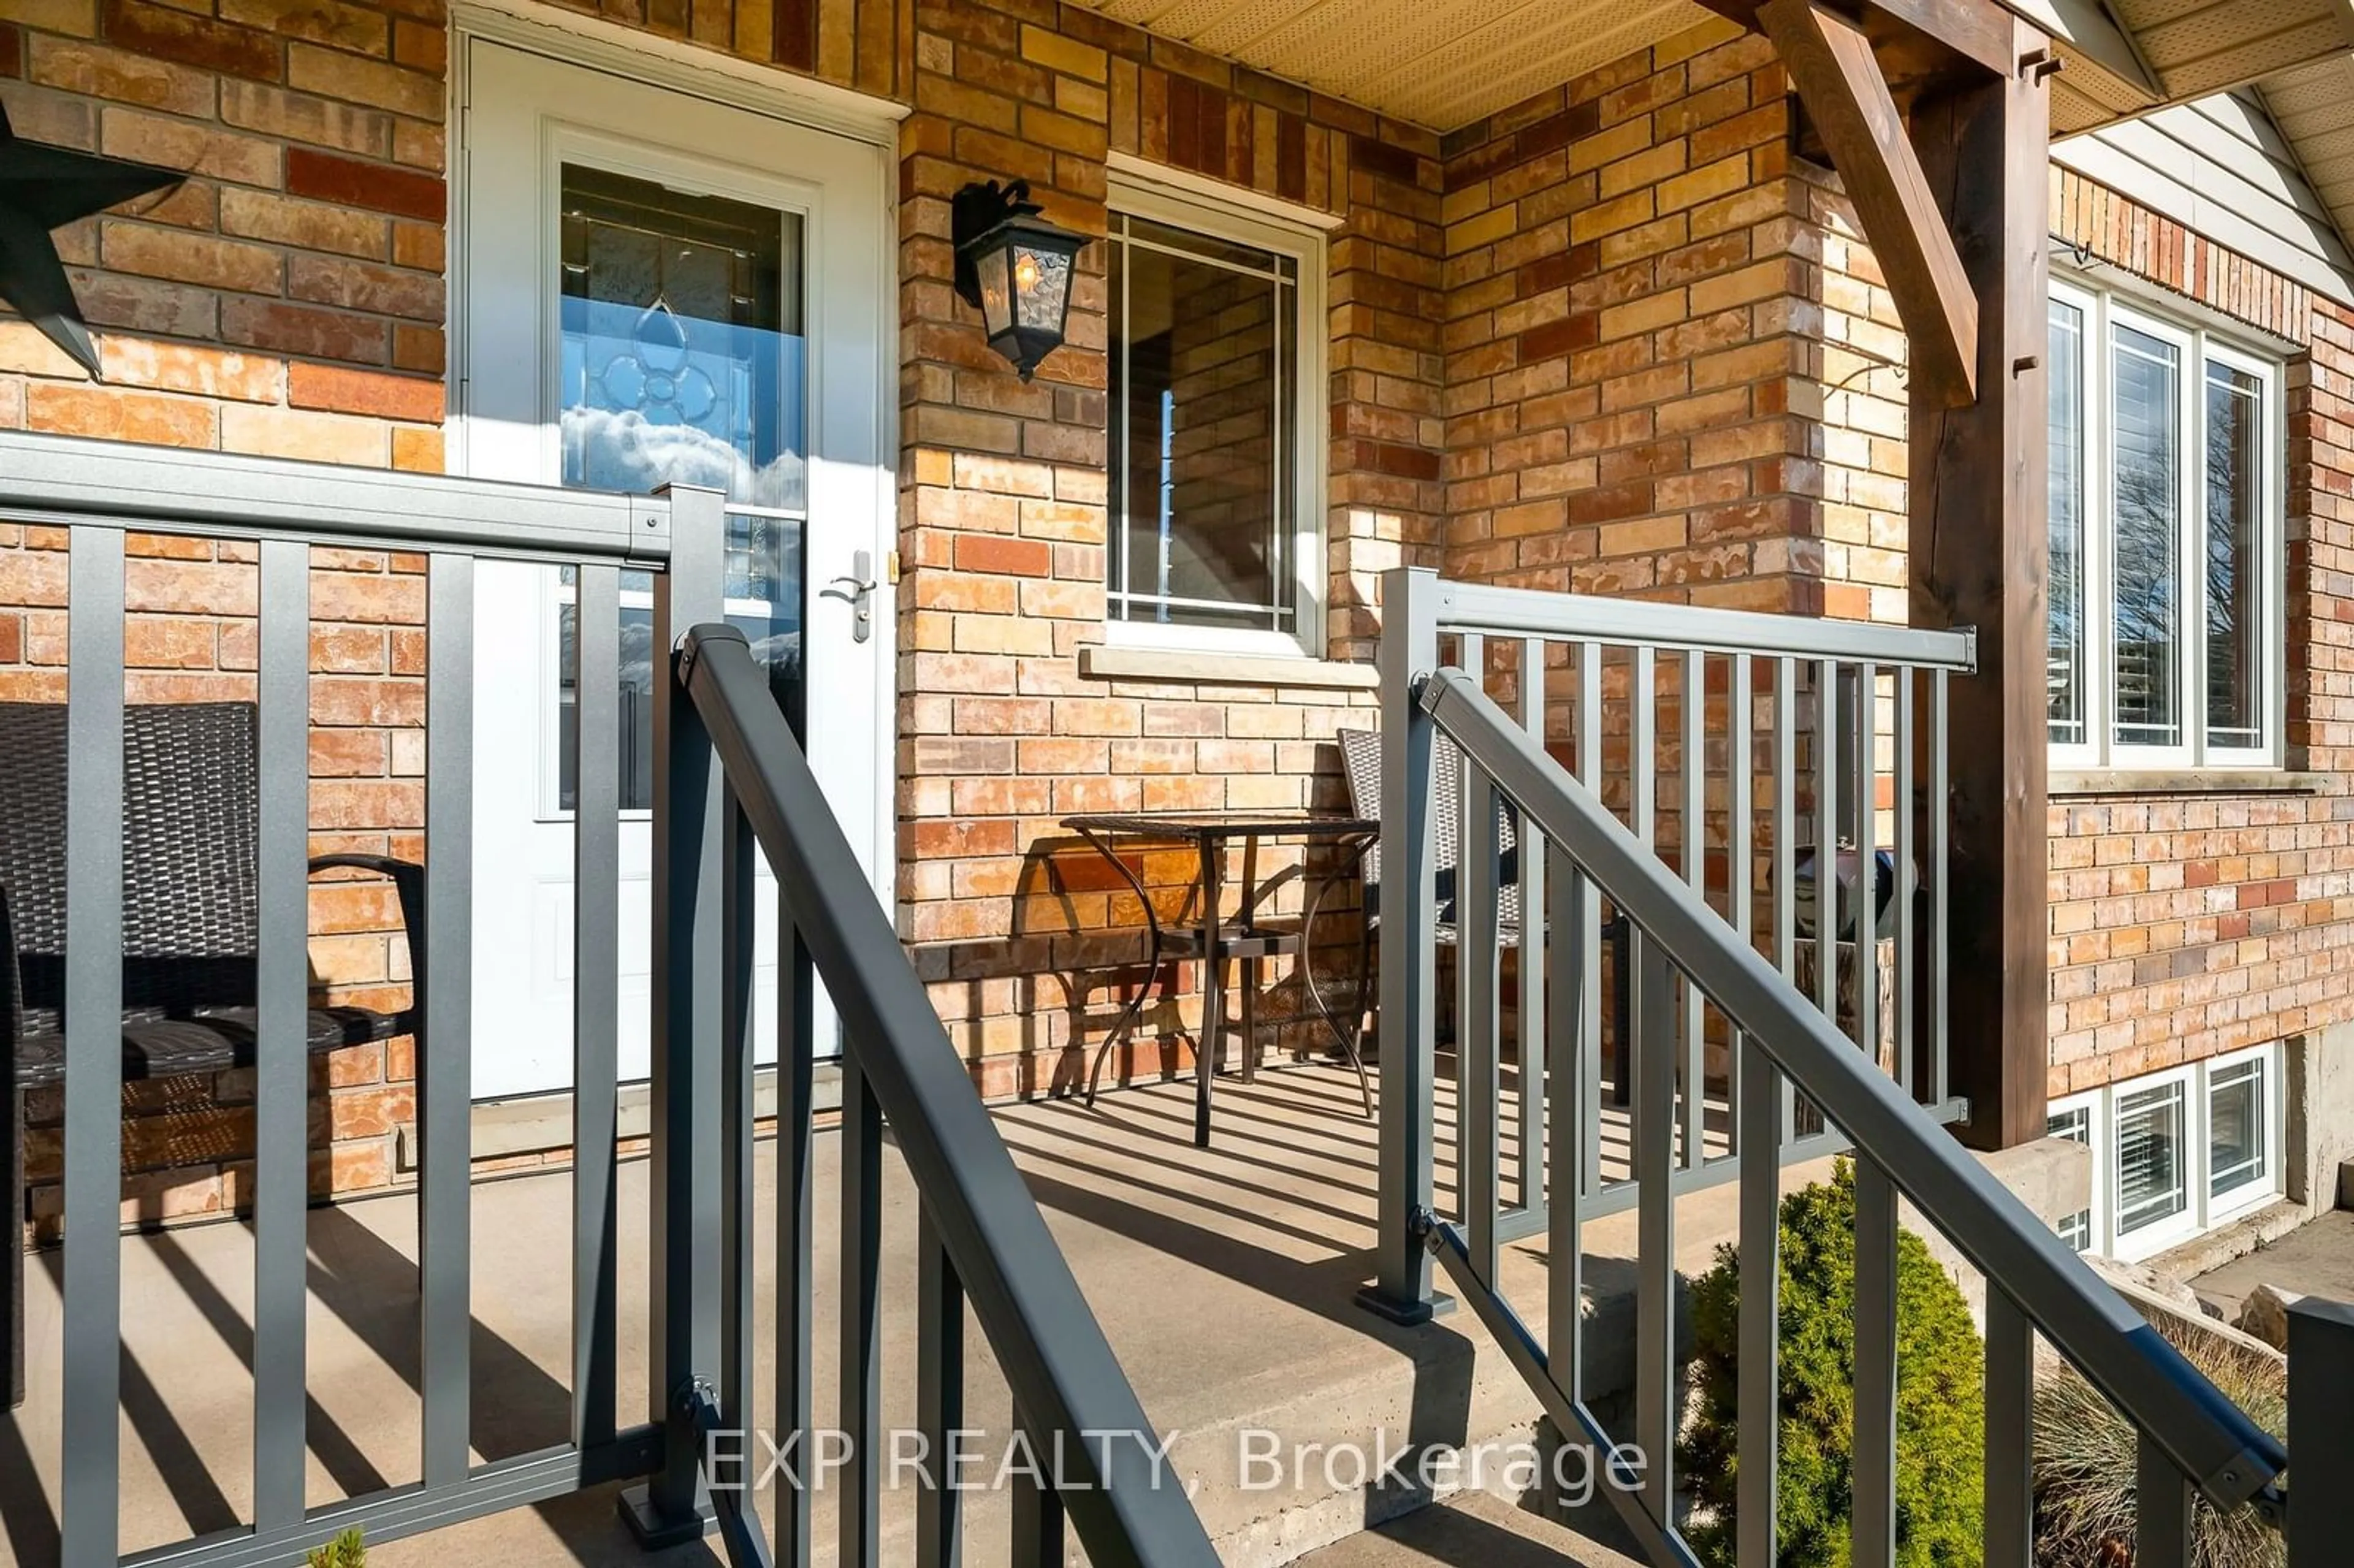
{"points": [[2074, 1121], [2167, 503], [1217, 413], [2175, 1153], [2153, 1148]]}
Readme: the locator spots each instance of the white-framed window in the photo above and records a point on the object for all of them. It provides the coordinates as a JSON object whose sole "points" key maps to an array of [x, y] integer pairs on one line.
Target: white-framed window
{"points": [[2175, 1152], [2154, 1201], [2244, 1132], [1218, 417], [2166, 517], [2078, 1120]]}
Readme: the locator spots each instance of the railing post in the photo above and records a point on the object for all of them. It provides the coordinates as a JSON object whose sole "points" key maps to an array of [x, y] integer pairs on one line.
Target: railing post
{"points": [[2321, 1438], [683, 1230], [1407, 1028]]}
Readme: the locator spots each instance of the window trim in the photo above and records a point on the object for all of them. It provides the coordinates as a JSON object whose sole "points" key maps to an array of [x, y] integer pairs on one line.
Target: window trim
{"points": [[2199, 343], [2272, 1107], [2156, 1237], [2095, 1141], [1205, 211]]}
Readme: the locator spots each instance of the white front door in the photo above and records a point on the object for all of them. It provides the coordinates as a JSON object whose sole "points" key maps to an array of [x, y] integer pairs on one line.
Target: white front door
{"points": [[660, 287]]}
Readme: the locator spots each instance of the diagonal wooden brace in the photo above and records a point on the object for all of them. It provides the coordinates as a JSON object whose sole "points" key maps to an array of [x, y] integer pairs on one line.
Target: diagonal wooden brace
{"points": [[1832, 65]]}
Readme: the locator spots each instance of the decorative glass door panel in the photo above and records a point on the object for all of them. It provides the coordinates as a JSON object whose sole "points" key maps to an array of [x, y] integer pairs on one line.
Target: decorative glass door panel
{"points": [[665, 316]]}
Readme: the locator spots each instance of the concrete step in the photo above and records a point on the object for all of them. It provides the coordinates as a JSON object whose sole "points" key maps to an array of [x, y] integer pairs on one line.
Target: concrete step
{"points": [[1478, 1530]]}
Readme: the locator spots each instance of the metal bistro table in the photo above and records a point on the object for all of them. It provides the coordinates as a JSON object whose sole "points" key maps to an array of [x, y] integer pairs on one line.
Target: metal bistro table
{"points": [[1215, 939]]}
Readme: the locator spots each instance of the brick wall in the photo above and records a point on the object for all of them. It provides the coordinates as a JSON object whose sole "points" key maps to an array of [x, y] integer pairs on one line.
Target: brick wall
{"points": [[286, 298], [2188, 924], [1671, 360], [1625, 321]]}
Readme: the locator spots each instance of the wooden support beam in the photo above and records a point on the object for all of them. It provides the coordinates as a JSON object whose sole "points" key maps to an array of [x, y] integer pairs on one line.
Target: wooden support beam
{"points": [[1978, 31], [1977, 500], [1831, 63]]}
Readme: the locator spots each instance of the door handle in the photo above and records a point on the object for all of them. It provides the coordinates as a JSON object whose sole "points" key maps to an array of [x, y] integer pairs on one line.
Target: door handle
{"points": [[858, 590]]}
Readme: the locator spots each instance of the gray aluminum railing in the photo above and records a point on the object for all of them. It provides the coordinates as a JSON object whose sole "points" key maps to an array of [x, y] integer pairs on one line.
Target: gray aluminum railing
{"points": [[981, 1238], [1845, 706], [99, 492], [1788, 1049]]}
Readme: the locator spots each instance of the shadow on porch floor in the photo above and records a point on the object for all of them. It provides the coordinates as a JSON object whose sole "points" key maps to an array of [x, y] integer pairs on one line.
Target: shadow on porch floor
{"points": [[1222, 1277]]}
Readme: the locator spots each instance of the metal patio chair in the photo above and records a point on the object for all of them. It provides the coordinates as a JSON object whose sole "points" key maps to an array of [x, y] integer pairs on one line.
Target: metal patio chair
{"points": [[190, 921]]}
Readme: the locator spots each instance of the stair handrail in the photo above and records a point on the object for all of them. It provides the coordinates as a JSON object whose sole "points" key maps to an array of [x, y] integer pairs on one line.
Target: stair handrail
{"points": [[2205, 1436], [1067, 1384]]}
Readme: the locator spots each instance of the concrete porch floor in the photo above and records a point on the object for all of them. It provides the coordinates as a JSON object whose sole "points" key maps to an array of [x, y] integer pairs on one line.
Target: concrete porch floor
{"points": [[1222, 1277]]}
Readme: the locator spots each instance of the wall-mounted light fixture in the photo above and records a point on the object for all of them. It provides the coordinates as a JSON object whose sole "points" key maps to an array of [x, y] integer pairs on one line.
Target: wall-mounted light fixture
{"points": [[1015, 267]]}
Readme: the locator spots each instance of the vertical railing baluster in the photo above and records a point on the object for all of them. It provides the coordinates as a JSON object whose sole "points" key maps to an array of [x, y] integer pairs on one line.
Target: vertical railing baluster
{"points": [[861, 1408], [1875, 1367], [1533, 1016], [595, 995], [1827, 793], [1761, 1114], [1941, 935], [1784, 810], [1655, 1265], [2010, 1433], [940, 1398], [1786, 840], [1643, 767], [2162, 1508], [1476, 1069], [1866, 722], [1408, 651], [1471, 656], [1477, 1048], [1908, 849], [91, 1429], [739, 918], [796, 1234], [687, 1050], [1695, 826], [445, 1056], [1642, 743], [1741, 781], [1038, 1524], [1565, 938], [1589, 924], [281, 1065]]}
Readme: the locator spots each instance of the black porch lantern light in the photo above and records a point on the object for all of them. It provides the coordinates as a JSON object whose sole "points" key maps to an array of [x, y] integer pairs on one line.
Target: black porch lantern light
{"points": [[1015, 267]]}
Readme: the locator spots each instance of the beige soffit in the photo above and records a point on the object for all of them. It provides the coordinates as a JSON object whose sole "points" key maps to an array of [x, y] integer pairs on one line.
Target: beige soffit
{"points": [[1436, 63], [2314, 107], [1445, 63], [2199, 47]]}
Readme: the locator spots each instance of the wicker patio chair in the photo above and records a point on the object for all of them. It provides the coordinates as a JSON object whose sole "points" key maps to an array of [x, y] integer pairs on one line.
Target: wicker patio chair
{"points": [[190, 920], [1361, 764]]}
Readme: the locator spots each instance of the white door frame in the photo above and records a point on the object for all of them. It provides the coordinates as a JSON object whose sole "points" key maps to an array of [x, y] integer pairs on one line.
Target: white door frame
{"points": [[630, 56]]}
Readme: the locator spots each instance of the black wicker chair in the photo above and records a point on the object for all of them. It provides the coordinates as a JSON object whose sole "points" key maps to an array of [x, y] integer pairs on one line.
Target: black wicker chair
{"points": [[1361, 765], [190, 921]]}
